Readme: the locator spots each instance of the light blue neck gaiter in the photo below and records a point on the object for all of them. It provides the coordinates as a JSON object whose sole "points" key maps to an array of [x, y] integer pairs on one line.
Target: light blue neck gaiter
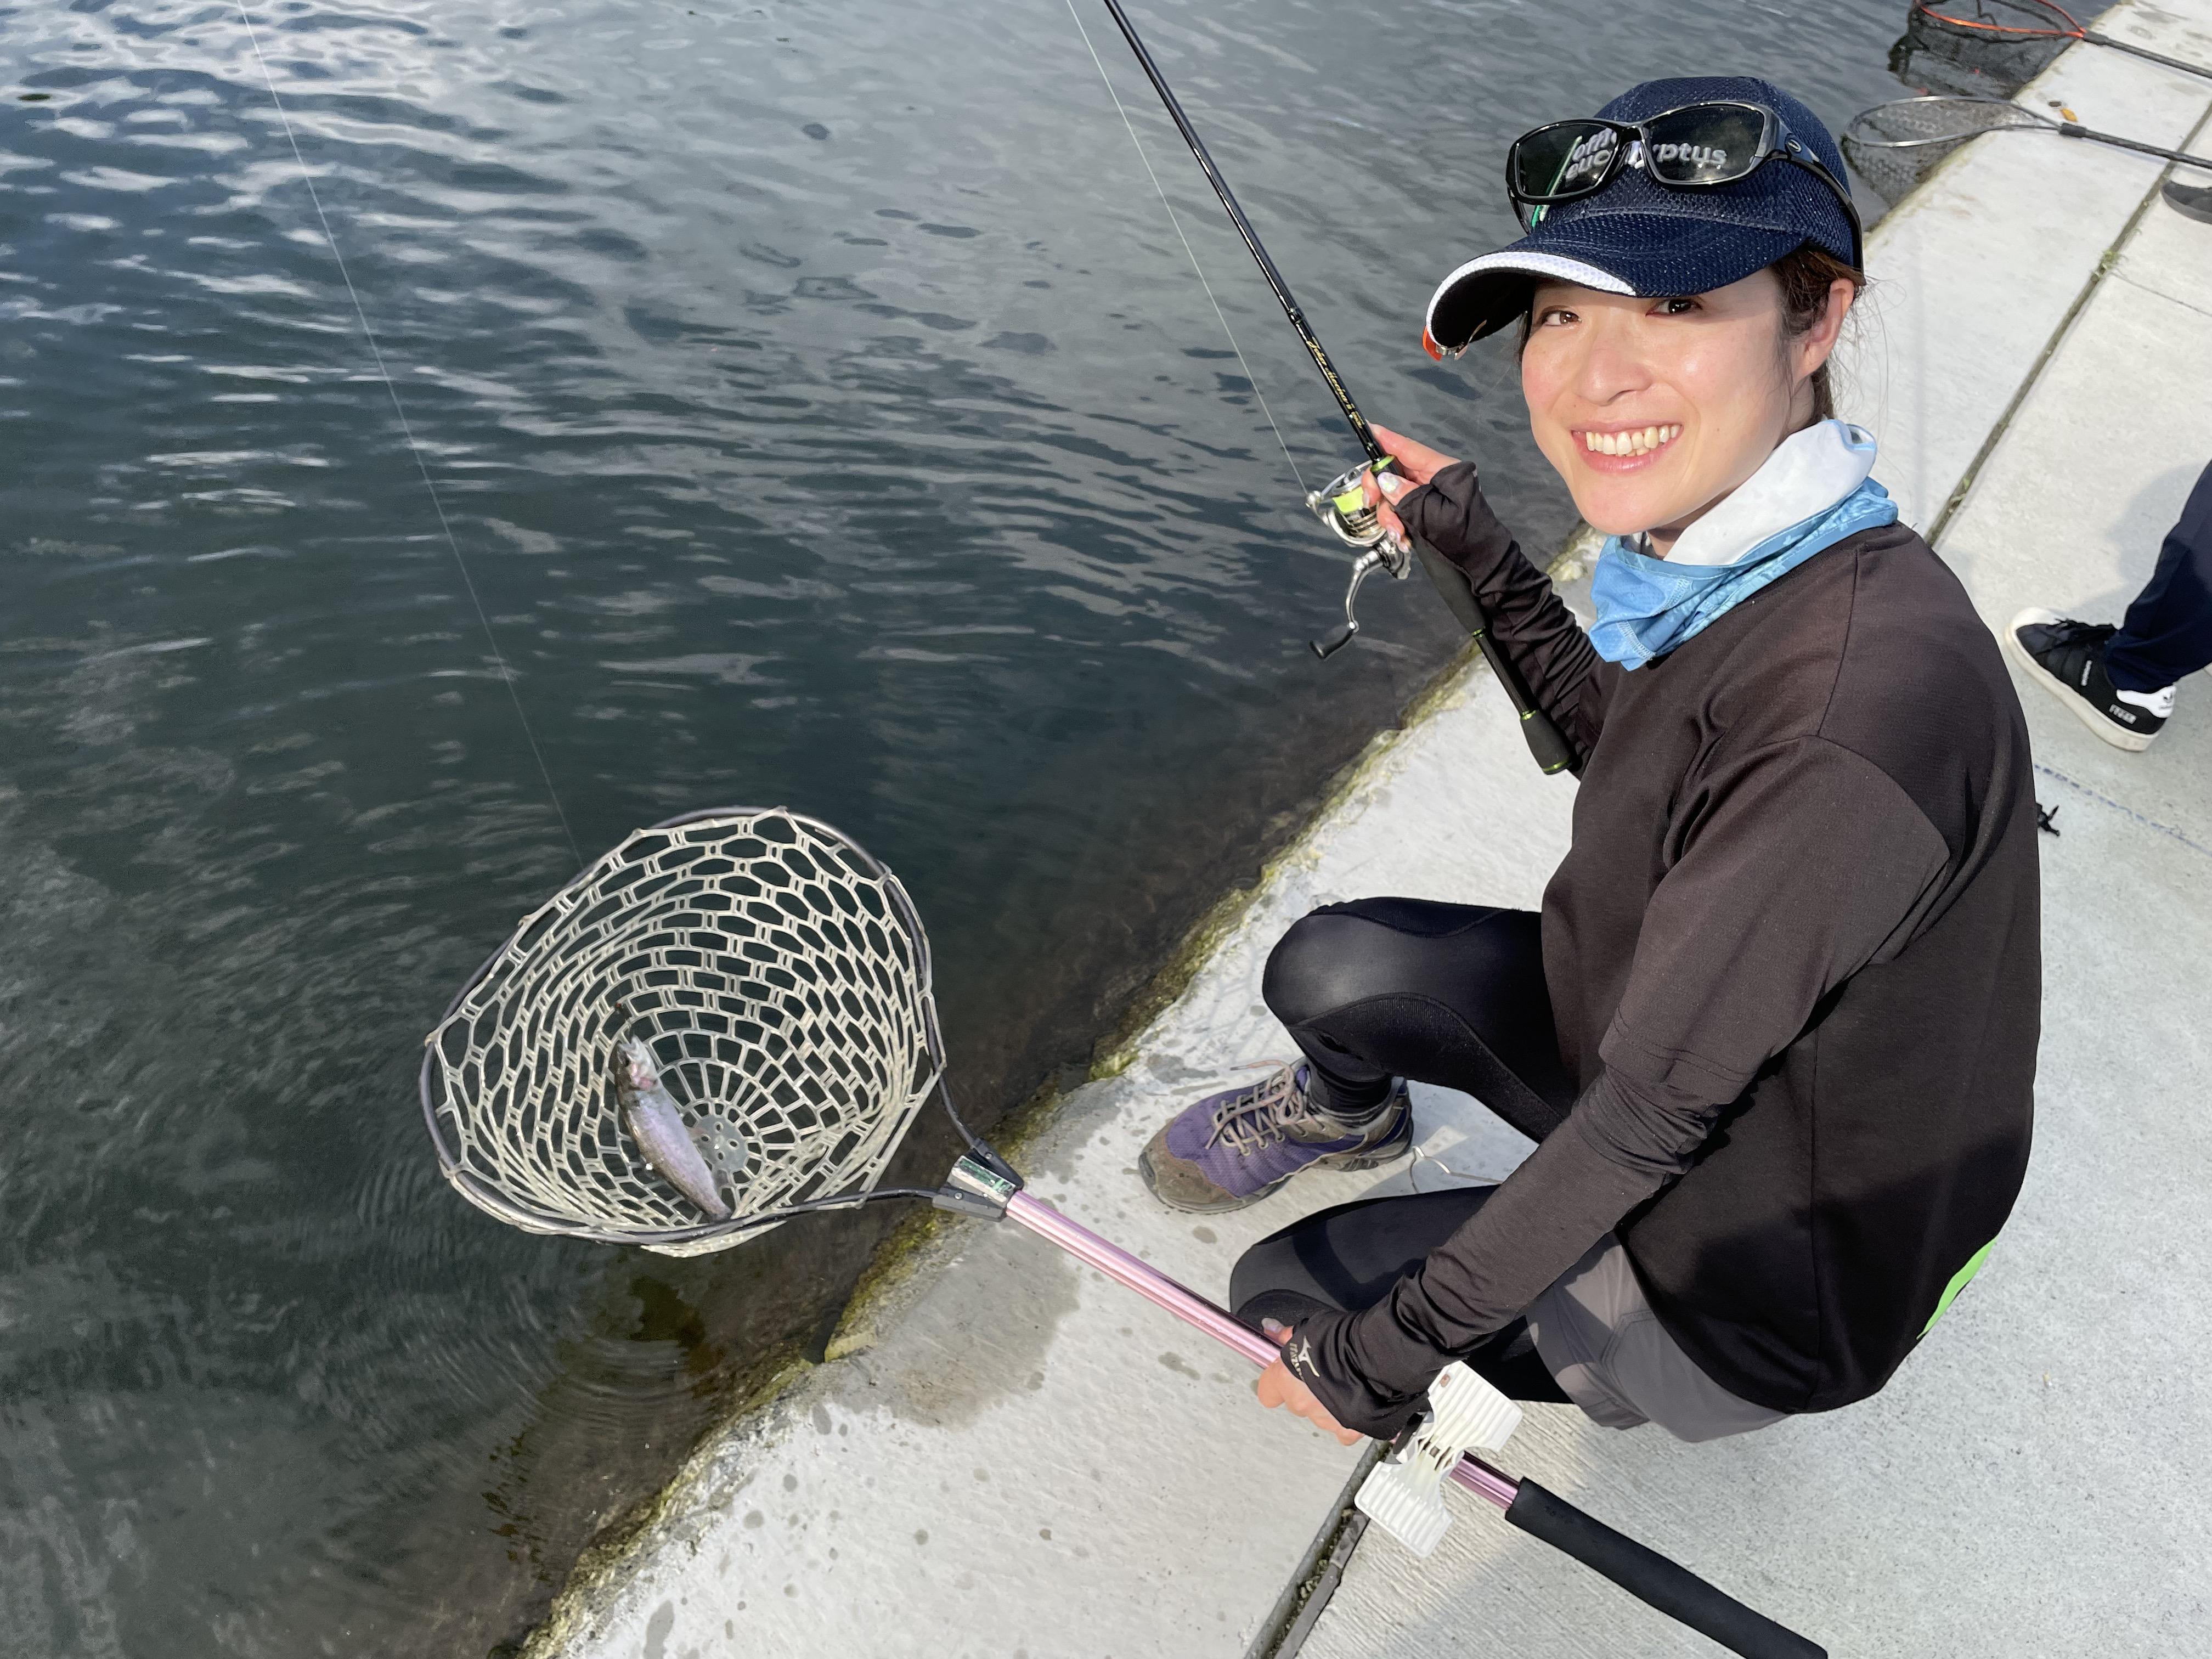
{"points": [[1647, 606]]}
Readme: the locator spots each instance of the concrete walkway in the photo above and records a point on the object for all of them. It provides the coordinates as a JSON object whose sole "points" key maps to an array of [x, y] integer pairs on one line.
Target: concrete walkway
{"points": [[1011, 1457]]}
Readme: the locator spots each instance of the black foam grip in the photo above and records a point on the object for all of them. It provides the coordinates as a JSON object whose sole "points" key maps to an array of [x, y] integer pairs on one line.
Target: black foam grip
{"points": [[1651, 1579], [1545, 742], [1451, 583]]}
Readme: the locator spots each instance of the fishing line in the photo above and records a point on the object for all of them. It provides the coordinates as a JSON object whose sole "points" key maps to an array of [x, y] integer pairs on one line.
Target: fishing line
{"points": [[407, 429], [1250, 379]]}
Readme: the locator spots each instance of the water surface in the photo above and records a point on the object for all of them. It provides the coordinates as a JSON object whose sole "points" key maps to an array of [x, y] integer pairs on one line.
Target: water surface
{"points": [[823, 412]]}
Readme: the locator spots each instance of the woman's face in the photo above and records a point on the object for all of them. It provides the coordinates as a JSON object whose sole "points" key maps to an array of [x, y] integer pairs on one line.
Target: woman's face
{"points": [[1654, 410]]}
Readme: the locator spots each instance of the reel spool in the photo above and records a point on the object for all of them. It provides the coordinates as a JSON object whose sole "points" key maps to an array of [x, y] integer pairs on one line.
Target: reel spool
{"points": [[1341, 504]]}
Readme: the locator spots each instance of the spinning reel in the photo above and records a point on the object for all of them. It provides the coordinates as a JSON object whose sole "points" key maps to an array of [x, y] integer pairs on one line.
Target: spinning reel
{"points": [[1342, 506]]}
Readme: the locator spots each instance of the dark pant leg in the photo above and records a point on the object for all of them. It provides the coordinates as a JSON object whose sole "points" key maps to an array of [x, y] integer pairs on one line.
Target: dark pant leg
{"points": [[1349, 1257], [1451, 994], [2168, 632]]}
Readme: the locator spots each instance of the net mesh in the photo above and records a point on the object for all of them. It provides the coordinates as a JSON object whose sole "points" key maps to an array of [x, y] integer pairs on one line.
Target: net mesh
{"points": [[782, 980], [1894, 146], [1937, 55]]}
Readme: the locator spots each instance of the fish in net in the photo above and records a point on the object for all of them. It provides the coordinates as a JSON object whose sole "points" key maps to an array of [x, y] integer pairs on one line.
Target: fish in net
{"points": [[778, 981]]}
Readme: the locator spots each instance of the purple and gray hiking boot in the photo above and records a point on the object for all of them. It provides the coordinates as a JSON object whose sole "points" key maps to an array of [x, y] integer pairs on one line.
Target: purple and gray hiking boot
{"points": [[1236, 1147]]}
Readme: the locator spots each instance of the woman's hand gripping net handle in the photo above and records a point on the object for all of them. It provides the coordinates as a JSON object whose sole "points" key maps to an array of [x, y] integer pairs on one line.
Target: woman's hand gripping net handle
{"points": [[1645, 1574]]}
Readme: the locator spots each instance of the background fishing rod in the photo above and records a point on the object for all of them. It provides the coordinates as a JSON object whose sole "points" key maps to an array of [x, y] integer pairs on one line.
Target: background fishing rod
{"points": [[1342, 504]]}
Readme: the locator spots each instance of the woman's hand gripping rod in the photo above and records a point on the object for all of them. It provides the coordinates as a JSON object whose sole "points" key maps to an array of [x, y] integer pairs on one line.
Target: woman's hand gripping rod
{"points": [[975, 1189]]}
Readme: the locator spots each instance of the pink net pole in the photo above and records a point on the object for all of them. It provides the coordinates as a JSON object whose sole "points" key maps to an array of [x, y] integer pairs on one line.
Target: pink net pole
{"points": [[1195, 1310]]}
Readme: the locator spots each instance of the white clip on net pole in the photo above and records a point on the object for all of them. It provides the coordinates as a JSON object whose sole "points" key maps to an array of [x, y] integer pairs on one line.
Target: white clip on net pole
{"points": [[1402, 1494]]}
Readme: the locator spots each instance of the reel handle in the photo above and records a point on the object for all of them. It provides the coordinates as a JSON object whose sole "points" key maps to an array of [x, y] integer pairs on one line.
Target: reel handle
{"points": [[1364, 566], [1326, 648]]}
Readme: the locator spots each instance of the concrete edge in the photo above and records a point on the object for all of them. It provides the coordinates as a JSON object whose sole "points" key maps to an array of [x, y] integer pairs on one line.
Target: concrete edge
{"points": [[1119, 1050], [1320, 1570]]}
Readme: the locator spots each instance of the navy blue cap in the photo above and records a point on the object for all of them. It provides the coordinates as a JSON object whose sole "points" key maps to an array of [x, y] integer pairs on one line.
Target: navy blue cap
{"points": [[1637, 237]]}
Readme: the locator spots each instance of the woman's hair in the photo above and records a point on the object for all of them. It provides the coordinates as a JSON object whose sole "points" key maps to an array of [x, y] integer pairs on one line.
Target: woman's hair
{"points": [[1805, 276]]}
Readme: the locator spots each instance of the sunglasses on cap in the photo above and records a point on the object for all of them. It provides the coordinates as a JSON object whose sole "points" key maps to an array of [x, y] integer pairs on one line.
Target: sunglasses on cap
{"points": [[1696, 147]]}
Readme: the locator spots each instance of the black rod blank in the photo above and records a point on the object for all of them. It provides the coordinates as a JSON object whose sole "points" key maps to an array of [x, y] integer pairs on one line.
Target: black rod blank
{"points": [[1360, 430]]}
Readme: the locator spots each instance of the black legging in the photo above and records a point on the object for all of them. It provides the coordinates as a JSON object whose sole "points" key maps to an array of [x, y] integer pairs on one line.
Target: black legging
{"points": [[1451, 994]]}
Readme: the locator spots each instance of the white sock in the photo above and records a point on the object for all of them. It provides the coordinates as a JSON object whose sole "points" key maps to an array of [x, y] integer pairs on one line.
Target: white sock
{"points": [[2160, 703]]}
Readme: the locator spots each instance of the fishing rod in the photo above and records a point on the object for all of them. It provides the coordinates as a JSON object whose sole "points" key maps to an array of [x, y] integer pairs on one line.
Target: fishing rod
{"points": [[1342, 503]]}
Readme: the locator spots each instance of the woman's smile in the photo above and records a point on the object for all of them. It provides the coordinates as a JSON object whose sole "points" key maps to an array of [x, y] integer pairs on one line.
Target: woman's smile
{"points": [[1618, 448]]}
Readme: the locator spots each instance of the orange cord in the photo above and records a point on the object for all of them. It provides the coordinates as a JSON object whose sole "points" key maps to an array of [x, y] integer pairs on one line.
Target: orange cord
{"points": [[2073, 31]]}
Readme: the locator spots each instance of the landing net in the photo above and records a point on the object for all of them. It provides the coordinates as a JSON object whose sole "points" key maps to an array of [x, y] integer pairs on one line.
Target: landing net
{"points": [[1998, 21], [1895, 145], [782, 980]]}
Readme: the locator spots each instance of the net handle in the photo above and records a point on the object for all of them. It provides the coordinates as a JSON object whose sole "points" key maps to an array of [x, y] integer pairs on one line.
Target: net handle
{"points": [[2021, 120], [2075, 130], [2145, 53]]}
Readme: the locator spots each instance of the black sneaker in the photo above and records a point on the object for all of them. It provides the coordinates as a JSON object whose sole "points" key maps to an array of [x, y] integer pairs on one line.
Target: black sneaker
{"points": [[2067, 658]]}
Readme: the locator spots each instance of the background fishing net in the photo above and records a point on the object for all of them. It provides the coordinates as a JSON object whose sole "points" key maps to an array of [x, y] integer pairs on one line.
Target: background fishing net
{"points": [[1894, 146], [780, 977], [1986, 48]]}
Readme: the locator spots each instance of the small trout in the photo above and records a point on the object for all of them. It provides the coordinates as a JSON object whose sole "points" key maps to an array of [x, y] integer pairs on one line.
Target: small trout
{"points": [[656, 1124]]}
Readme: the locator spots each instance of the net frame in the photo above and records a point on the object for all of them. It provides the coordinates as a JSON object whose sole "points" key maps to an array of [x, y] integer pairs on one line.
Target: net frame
{"points": [[1894, 145], [781, 976], [1990, 31], [1926, 12]]}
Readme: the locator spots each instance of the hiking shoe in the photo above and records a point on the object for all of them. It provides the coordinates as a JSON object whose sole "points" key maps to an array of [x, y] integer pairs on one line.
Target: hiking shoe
{"points": [[2067, 658], [1236, 1147]]}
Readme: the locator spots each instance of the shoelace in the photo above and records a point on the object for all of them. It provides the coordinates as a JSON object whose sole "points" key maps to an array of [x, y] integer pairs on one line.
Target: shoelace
{"points": [[1260, 1115], [2068, 630]]}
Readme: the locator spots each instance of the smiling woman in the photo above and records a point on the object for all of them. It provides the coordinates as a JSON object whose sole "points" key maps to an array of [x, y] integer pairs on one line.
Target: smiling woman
{"points": [[1788, 890], [1653, 410]]}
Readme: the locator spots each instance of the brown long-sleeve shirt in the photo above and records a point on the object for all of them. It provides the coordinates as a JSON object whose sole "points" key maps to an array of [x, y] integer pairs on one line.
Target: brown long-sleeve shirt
{"points": [[1794, 963]]}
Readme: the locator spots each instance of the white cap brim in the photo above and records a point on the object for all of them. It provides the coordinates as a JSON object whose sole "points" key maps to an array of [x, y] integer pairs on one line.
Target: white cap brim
{"points": [[1455, 302]]}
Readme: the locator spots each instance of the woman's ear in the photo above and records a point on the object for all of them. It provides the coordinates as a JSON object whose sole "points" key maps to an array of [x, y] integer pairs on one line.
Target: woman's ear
{"points": [[1818, 344]]}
